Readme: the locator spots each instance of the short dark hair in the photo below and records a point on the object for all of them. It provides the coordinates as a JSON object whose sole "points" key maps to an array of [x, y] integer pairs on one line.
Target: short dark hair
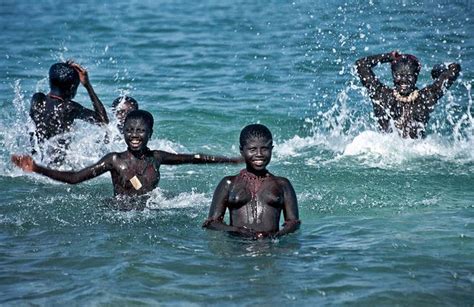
{"points": [[142, 114], [63, 77], [407, 59], [252, 131], [125, 98]]}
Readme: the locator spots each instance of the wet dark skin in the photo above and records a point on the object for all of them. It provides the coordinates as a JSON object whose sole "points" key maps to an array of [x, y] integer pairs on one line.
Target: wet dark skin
{"points": [[255, 216], [409, 119], [137, 161], [55, 112]]}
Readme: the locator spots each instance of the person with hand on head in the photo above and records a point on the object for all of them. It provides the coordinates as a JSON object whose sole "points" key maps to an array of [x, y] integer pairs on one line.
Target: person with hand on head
{"points": [[134, 171], [255, 198], [405, 105], [54, 113]]}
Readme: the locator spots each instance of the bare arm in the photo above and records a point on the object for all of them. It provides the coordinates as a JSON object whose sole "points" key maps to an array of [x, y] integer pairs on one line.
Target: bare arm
{"points": [[27, 164], [215, 220], [444, 78], [99, 115], [290, 210], [174, 159], [367, 76]]}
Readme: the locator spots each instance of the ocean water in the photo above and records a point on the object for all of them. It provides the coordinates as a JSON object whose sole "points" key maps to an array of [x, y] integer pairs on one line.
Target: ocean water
{"points": [[385, 221]]}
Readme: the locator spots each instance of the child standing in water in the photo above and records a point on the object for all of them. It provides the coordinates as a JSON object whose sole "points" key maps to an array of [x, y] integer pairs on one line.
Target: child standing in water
{"points": [[404, 104], [55, 112], [134, 171], [255, 197]]}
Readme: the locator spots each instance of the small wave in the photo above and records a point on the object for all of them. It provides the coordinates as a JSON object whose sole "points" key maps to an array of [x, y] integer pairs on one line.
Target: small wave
{"points": [[159, 200]]}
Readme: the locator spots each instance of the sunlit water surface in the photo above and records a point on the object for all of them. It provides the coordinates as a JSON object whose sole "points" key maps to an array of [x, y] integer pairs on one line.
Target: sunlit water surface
{"points": [[385, 221]]}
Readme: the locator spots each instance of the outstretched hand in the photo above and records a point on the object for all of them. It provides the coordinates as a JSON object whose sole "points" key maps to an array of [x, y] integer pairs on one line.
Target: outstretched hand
{"points": [[83, 75], [24, 162]]}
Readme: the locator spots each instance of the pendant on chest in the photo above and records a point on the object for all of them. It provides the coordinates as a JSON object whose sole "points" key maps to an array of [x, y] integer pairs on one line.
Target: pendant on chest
{"points": [[143, 173]]}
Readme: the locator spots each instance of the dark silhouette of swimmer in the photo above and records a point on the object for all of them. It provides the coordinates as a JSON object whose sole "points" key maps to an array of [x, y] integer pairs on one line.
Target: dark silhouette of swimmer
{"points": [[134, 171], [408, 107], [121, 106], [55, 112], [255, 197]]}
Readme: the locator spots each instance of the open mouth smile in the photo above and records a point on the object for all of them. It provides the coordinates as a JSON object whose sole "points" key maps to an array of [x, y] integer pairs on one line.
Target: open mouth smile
{"points": [[135, 143]]}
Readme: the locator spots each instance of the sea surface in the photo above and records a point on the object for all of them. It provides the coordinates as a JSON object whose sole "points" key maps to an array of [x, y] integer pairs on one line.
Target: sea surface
{"points": [[385, 221]]}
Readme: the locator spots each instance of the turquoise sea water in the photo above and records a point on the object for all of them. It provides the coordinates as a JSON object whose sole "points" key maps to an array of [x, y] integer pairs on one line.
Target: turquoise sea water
{"points": [[386, 221]]}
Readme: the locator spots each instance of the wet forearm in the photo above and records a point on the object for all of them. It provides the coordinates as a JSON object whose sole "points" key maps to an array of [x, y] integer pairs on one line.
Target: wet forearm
{"points": [[101, 114], [73, 177], [372, 60], [219, 225], [204, 159], [289, 227], [63, 176], [171, 159]]}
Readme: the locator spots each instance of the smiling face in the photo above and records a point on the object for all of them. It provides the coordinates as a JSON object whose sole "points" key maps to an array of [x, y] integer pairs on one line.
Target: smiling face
{"points": [[257, 153], [405, 76], [136, 133]]}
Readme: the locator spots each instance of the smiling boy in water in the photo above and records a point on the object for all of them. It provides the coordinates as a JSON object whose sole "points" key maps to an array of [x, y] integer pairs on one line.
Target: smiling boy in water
{"points": [[134, 171], [407, 106], [255, 197]]}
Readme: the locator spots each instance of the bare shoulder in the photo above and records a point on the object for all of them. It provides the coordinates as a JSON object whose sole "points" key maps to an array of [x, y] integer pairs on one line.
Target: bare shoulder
{"points": [[38, 97], [229, 179], [227, 182], [159, 154], [115, 157], [282, 181]]}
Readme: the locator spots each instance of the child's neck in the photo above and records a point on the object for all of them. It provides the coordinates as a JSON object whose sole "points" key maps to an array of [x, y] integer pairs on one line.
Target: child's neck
{"points": [[57, 95], [255, 172], [139, 154]]}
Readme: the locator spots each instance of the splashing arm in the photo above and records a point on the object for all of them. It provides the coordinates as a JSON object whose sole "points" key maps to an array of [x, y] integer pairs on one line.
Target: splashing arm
{"points": [[27, 164], [365, 72], [99, 114], [443, 77]]}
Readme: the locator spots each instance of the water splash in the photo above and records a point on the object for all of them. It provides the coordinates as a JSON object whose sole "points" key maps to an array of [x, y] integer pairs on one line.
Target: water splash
{"points": [[345, 131], [89, 142]]}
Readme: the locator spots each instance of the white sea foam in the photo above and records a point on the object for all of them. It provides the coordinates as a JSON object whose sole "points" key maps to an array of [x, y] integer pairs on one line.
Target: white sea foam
{"points": [[343, 133], [392, 149], [88, 142], [159, 200]]}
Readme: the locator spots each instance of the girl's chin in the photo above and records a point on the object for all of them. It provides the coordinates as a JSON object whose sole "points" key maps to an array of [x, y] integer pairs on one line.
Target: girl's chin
{"points": [[136, 148], [258, 168]]}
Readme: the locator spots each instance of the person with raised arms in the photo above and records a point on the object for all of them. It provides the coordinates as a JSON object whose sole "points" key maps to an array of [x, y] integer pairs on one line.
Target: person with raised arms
{"points": [[404, 105]]}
